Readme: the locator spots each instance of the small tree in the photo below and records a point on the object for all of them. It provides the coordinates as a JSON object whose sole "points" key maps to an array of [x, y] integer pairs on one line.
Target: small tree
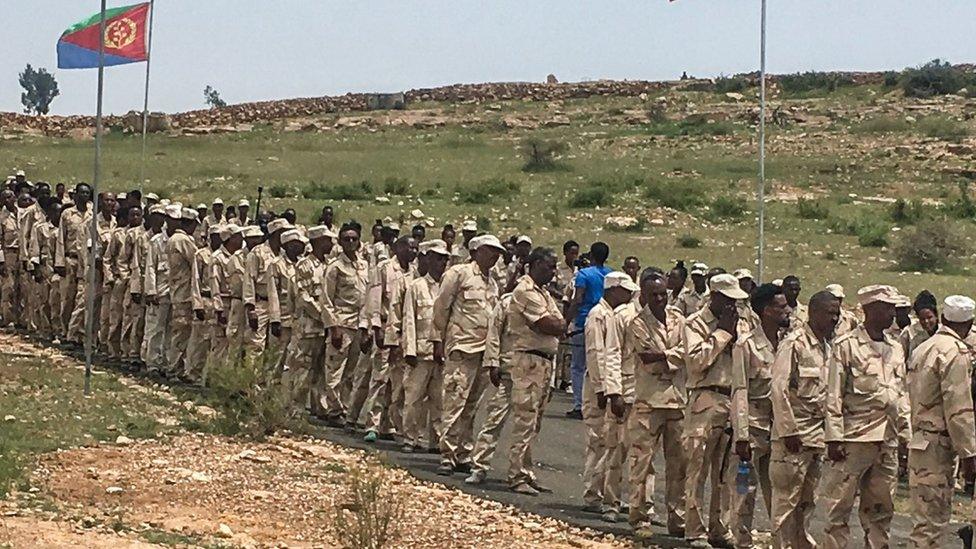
{"points": [[212, 98], [40, 88]]}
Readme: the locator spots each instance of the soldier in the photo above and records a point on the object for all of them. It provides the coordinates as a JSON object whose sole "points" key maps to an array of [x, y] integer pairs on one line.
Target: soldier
{"points": [[603, 384], [134, 323], [157, 292], [916, 333], [563, 286], [943, 426], [280, 304], [867, 416], [752, 410], [107, 224], [243, 207], [181, 251], [259, 261], [204, 320], [111, 240], [461, 311], [423, 389], [385, 317], [72, 241], [227, 287], [536, 323], [41, 246], [746, 282], [691, 300], [306, 352], [35, 298], [657, 415], [343, 303], [708, 338], [216, 216], [848, 320], [10, 260], [121, 251], [798, 395], [461, 253]]}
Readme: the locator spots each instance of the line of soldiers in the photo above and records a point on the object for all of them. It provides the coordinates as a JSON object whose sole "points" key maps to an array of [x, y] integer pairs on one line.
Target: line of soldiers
{"points": [[738, 385]]}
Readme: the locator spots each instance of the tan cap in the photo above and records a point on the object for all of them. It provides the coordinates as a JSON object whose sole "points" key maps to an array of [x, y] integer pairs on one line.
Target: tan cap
{"points": [[253, 231], [740, 274], [229, 230], [152, 196], [435, 246], [279, 224], [174, 211], [189, 215], [523, 238], [157, 209], [20, 173], [699, 269], [120, 196], [903, 301], [727, 285], [836, 290], [292, 235], [777, 282], [486, 240], [201, 207], [958, 308], [877, 292], [469, 225], [244, 204], [619, 279], [218, 202], [321, 231]]}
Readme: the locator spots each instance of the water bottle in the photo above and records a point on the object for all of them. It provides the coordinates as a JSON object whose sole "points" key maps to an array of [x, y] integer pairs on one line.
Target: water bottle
{"points": [[743, 477]]}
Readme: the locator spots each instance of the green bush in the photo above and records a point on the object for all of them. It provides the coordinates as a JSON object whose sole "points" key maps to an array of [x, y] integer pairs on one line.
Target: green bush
{"points": [[591, 196], [396, 186], [907, 212], [341, 191], [689, 241], [891, 79], [813, 81], [279, 191], [930, 246], [692, 126], [542, 155], [871, 234], [728, 207], [484, 192], [962, 207], [248, 400], [679, 195], [942, 127], [812, 209], [657, 113], [726, 84], [933, 78], [370, 514], [881, 124]]}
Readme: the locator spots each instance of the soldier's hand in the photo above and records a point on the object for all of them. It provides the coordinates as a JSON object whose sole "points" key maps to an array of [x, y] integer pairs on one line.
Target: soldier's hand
{"points": [[968, 468], [835, 451], [137, 299], [252, 322], [793, 444], [744, 450], [60, 271], [276, 329], [495, 376], [601, 401], [221, 318], [199, 314], [378, 337], [365, 342], [3, 269], [439, 352], [728, 319], [410, 360], [335, 337], [24, 265], [151, 300], [617, 406]]}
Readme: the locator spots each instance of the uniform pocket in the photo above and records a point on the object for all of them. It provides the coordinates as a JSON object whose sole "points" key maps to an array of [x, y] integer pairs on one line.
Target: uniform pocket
{"points": [[810, 383], [864, 383], [474, 294]]}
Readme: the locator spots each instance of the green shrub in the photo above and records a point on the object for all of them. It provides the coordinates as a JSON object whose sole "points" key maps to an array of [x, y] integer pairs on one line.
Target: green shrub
{"points": [[891, 79], [341, 191], [933, 78], [962, 207], [396, 186], [871, 234], [657, 113], [929, 247], [692, 126], [942, 127], [689, 241], [247, 399], [813, 81], [279, 191], [554, 215], [812, 209], [726, 84], [484, 192], [907, 212], [881, 124], [484, 224], [728, 207], [590, 196], [370, 514], [679, 195], [541, 155]]}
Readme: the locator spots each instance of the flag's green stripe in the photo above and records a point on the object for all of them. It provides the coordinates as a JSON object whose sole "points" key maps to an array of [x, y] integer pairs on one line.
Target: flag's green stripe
{"points": [[97, 18]]}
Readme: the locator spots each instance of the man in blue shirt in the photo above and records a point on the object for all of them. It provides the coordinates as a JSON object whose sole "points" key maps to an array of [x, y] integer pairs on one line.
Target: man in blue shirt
{"points": [[589, 291]]}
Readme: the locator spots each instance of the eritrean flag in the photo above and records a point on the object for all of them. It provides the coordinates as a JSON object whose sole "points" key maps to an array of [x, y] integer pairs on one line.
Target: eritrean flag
{"points": [[125, 39]]}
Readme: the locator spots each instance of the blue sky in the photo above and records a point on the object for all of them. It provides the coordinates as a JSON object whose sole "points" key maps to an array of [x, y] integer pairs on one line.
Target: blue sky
{"points": [[252, 50]]}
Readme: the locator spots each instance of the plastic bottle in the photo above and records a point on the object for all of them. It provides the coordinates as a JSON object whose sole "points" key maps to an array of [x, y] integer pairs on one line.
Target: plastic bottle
{"points": [[743, 478]]}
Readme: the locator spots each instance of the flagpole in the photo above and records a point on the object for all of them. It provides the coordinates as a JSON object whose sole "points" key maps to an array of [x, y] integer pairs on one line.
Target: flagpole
{"points": [[145, 104], [762, 145], [93, 234]]}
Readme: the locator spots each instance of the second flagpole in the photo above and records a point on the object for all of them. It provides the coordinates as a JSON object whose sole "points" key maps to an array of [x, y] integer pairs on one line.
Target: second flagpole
{"points": [[145, 104]]}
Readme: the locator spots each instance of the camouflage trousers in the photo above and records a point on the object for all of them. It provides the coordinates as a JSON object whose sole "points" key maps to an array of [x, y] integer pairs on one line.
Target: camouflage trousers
{"points": [[794, 479], [743, 506], [257, 339], [133, 328], [117, 310], [616, 445], [12, 289], [303, 368], [385, 395], [423, 390], [931, 467], [198, 348], [530, 382], [497, 410], [871, 470], [464, 382], [647, 428], [336, 365], [594, 468], [706, 447]]}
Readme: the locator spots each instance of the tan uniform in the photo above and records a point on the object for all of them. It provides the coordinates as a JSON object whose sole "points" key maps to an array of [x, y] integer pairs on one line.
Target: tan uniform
{"points": [[256, 266], [279, 277], [848, 321], [498, 354], [798, 315], [303, 375], [134, 323], [181, 251], [385, 310], [603, 375], [461, 314], [709, 359], [867, 411], [798, 395], [342, 301], [35, 296], [690, 302], [227, 287], [423, 386], [72, 244], [156, 287], [564, 284], [106, 276], [40, 247], [616, 440], [460, 254], [532, 361], [911, 337], [657, 416], [12, 286], [752, 421], [119, 266], [943, 429], [198, 347]]}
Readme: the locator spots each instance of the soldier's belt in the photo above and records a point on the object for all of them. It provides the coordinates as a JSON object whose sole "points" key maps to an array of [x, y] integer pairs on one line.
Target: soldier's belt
{"points": [[725, 391], [260, 298], [540, 354]]}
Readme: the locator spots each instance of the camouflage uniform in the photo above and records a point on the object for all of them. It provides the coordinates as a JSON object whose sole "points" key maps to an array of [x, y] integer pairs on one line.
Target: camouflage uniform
{"points": [[280, 309], [385, 310], [256, 266], [181, 252], [911, 337], [134, 321], [41, 245], [690, 301], [71, 245], [498, 354], [343, 302], [422, 383], [616, 440], [303, 375], [201, 331], [12, 286]]}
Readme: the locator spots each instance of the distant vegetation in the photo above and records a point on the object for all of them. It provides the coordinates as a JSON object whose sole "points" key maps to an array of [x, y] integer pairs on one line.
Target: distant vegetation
{"points": [[542, 155], [936, 77]]}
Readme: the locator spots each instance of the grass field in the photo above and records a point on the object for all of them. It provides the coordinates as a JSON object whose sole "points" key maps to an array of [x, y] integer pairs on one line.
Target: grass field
{"points": [[686, 169]]}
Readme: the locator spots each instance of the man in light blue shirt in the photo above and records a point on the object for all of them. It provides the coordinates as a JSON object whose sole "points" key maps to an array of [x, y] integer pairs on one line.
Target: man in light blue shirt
{"points": [[589, 291]]}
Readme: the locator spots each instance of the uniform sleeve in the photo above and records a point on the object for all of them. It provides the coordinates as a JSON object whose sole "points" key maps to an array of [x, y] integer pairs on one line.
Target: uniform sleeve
{"points": [[701, 351], [836, 379], [903, 411], [409, 324], [196, 294], [59, 256], [375, 290], [305, 296], [593, 337], [248, 293], [215, 276], [612, 356], [493, 342], [150, 274], [135, 266], [34, 245], [274, 301], [530, 305], [394, 315], [958, 404], [450, 285], [328, 290], [742, 354], [782, 372]]}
